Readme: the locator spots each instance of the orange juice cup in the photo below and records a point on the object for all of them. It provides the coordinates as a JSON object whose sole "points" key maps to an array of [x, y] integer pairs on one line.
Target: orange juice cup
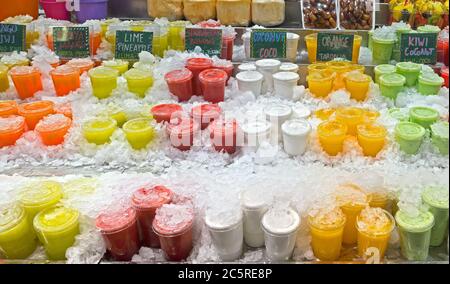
{"points": [[11, 129], [352, 201], [8, 108], [331, 136], [370, 116], [371, 138], [375, 226], [27, 81], [311, 45], [320, 83], [324, 113], [65, 79], [4, 81], [350, 116], [82, 64], [379, 199], [356, 67], [340, 68], [357, 84], [356, 47], [317, 67], [327, 230], [53, 128], [35, 111]]}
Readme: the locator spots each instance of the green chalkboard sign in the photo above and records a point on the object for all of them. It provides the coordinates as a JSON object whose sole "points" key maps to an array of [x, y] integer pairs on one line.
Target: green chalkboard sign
{"points": [[419, 48], [332, 45], [209, 40], [268, 44], [130, 43], [71, 42], [12, 37]]}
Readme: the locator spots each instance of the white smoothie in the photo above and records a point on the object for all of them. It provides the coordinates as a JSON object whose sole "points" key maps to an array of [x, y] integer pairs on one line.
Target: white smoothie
{"points": [[289, 67], [285, 83], [256, 131], [247, 67], [295, 136], [268, 67], [250, 81], [277, 115], [254, 206]]}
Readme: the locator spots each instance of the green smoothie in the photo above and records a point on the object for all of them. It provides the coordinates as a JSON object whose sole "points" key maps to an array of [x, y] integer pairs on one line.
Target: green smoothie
{"points": [[411, 72], [409, 136], [382, 50], [401, 114], [424, 116], [437, 199], [391, 85], [439, 136], [415, 234], [382, 70], [430, 83], [429, 29], [399, 31]]}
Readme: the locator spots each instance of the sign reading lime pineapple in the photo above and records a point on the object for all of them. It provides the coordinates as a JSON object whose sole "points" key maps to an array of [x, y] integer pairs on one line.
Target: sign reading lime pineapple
{"points": [[332, 45], [419, 48], [130, 43], [12, 37], [268, 44], [71, 42], [209, 40]]}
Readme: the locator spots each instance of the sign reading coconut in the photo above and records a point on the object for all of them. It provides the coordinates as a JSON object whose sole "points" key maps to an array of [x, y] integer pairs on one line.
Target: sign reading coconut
{"points": [[71, 42], [419, 48], [130, 43], [331, 46], [12, 37], [209, 40], [268, 44]]}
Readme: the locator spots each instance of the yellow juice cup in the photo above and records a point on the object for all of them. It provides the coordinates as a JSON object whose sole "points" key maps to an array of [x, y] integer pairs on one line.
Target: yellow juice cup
{"points": [[370, 116], [4, 81], [357, 84], [311, 45], [99, 131], [118, 114], [117, 64], [176, 35], [317, 67], [324, 113], [371, 138], [56, 228], [320, 83], [331, 136], [139, 81], [40, 195], [139, 132], [352, 201], [103, 81], [356, 47], [379, 199], [350, 116], [17, 238], [327, 230], [375, 226], [356, 67], [340, 68]]}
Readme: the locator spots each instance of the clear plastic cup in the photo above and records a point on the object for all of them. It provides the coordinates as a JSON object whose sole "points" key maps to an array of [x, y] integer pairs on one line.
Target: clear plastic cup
{"points": [[437, 200], [180, 83], [99, 130], [138, 81], [27, 81], [424, 116], [391, 85], [350, 116], [277, 114], [320, 83], [254, 206], [256, 132], [284, 84], [409, 136], [11, 129], [53, 128], [340, 68], [357, 84], [165, 112], [332, 135], [196, 66], [250, 81], [176, 35], [383, 69], [103, 81], [35, 111], [118, 64], [213, 82], [268, 67], [382, 50], [410, 71], [430, 84], [371, 138], [295, 136], [82, 64], [181, 132], [204, 114], [65, 79], [139, 132]]}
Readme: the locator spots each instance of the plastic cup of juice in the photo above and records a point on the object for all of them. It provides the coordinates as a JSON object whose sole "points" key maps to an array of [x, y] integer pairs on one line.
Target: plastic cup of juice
{"points": [[224, 135], [409, 136], [327, 231], [350, 116], [118, 114], [176, 35], [8, 108], [375, 226], [181, 133], [11, 129], [35, 111], [103, 81], [267, 67], [120, 232], [53, 128], [352, 200], [139, 132], [213, 82], [340, 68], [295, 136], [289, 67], [379, 199], [324, 113], [284, 84], [4, 81], [320, 83], [415, 234], [439, 136], [83, 64], [311, 45], [391, 85], [429, 29], [424, 116], [399, 114], [99, 130], [410, 71], [65, 79], [356, 47], [250, 81], [56, 229], [165, 112], [138, 81], [317, 67], [444, 75], [118, 64], [40, 195], [27, 81], [437, 200], [370, 116], [359, 68], [254, 206], [204, 114], [331, 136], [357, 84], [430, 83], [196, 66], [226, 66], [383, 69], [17, 237], [175, 237], [180, 83], [145, 202], [382, 50], [371, 138]]}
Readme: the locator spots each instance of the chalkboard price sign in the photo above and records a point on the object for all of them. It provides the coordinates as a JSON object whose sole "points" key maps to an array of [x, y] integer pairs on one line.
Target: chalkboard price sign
{"points": [[130, 43], [268, 44], [209, 40], [419, 48], [12, 37], [331, 46], [71, 42]]}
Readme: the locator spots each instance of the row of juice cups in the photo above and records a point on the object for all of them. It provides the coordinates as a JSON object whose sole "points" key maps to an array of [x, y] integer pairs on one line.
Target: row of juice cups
{"points": [[38, 212]]}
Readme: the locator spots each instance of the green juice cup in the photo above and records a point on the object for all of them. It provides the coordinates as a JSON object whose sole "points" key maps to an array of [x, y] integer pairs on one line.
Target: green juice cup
{"points": [[429, 29], [409, 136], [391, 85], [430, 84], [437, 199], [383, 69], [399, 114], [424, 116], [399, 32], [415, 234], [439, 136], [411, 72], [382, 50]]}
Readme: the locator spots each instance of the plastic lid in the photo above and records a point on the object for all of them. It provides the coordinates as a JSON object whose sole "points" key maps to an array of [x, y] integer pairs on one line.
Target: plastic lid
{"points": [[166, 109], [375, 221], [223, 64], [150, 198], [103, 72], [440, 129], [24, 71], [53, 122], [349, 112], [137, 74], [36, 107], [431, 79], [350, 195], [173, 219], [409, 66], [399, 114], [372, 130], [301, 111], [277, 111], [10, 216], [100, 124], [321, 75], [281, 221], [115, 220], [296, 127], [436, 196], [327, 218], [288, 67], [8, 106], [356, 76], [424, 113], [256, 127], [213, 76], [65, 70], [182, 126], [393, 79], [332, 128], [292, 36], [252, 199], [11, 123], [56, 219], [428, 29], [338, 65], [115, 63], [385, 68], [247, 67], [211, 111], [410, 130], [220, 223], [176, 76], [268, 63], [200, 62], [324, 113], [286, 76], [137, 125], [371, 115], [415, 224], [249, 76], [41, 193]]}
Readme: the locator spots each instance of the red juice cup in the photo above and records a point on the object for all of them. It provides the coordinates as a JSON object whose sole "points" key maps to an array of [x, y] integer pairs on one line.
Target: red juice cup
{"points": [[145, 202], [8, 108], [83, 64], [181, 132], [164, 112], [180, 83], [65, 79], [35, 111], [224, 135], [213, 83], [120, 233], [11, 129], [205, 114], [27, 81], [53, 128], [442, 50], [227, 67], [196, 66], [227, 47], [173, 224], [444, 74]]}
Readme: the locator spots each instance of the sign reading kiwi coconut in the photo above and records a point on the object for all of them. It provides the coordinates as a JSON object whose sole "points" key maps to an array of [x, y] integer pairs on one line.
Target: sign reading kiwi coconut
{"points": [[419, 48], [332, 45]]}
